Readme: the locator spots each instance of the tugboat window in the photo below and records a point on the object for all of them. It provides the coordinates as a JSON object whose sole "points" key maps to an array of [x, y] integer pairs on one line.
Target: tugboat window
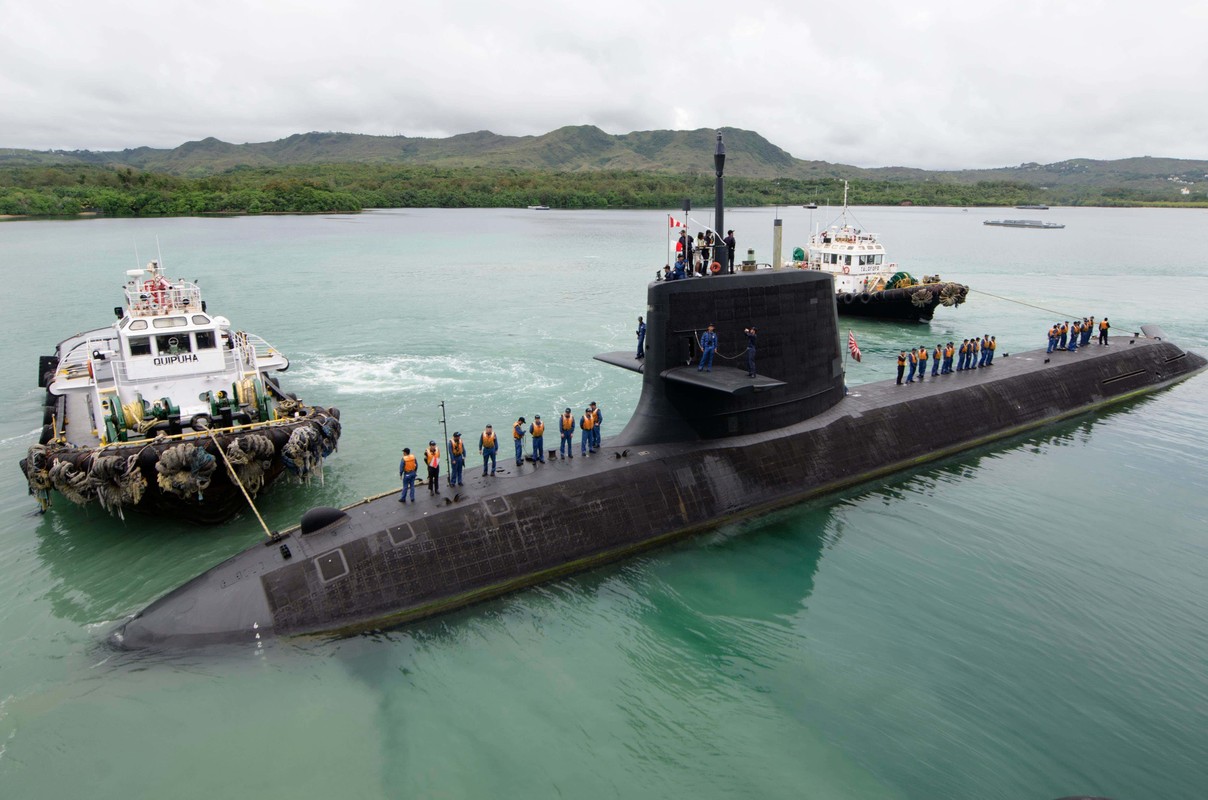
{"points": [[171, 344], [140, 346], [846, 260], [205, 340], [169, 322], [138, 325], [201, 319]]}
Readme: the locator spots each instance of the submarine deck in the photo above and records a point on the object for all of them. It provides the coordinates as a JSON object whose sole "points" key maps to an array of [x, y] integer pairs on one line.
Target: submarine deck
{"points": [[861, 400]]}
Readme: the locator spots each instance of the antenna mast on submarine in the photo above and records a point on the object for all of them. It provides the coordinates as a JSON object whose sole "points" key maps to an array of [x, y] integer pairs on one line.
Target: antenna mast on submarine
{"points": [[719, 191]]}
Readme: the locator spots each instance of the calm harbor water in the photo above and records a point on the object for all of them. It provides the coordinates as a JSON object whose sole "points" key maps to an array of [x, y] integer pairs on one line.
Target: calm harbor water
{"points": [[1022, 621]]}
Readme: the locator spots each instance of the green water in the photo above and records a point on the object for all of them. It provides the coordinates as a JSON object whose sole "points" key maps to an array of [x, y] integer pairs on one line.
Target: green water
{"points": [[1024, 621]]}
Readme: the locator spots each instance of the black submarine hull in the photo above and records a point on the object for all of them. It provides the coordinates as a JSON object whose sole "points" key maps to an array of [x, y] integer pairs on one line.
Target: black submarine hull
{"points": [[701, 449]]}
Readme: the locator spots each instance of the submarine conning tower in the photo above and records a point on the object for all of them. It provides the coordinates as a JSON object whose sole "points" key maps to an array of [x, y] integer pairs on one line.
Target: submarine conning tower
{"points": [[798, 362]]}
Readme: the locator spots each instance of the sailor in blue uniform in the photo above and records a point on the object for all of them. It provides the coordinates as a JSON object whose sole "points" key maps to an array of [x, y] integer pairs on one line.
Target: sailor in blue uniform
{"points": [[518, 439], [457, 459], [566, 424], [708, 346], [537, 431], [641, 339], [750, 332], [598, 420]]}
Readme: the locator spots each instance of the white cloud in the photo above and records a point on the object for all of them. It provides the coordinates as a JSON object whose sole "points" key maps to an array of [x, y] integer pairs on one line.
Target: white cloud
{"points": [[930, 84]]}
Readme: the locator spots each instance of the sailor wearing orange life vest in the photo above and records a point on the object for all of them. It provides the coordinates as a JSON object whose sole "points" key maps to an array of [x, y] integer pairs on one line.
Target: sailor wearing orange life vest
{"points": [[488, 445], [949, 354], [407, 469], [935, 360], [537, 431], [598, 419], [912, 359], [457, 459], [566, 424], [1088, 325], [587, 424], [1103, 326], [432, 459], [922, 363], [518, 440], [1075, 332], [901, 366]]}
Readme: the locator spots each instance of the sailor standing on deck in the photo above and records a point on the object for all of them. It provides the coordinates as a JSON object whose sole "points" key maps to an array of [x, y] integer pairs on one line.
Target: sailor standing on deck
{"points": [[949, 354], [1062, 332], [1088, 325], [537, 430], [566, 424], [598, 419], [518, 440], [922, 363], [432, 459], [731, 244], [708, 346], [407, 469], [1103, 327], [457, 459], [586, 423], [912, 359], [901, 366], [751, 337], [1075, 332], [641, 339], [488, 445], [935, 360]]}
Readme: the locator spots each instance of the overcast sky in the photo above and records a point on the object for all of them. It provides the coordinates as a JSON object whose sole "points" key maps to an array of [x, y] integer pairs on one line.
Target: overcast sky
{"points": [[919, 83]]}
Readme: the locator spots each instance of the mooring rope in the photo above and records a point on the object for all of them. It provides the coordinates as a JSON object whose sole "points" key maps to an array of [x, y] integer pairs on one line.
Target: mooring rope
{"points": [[239, 483]]}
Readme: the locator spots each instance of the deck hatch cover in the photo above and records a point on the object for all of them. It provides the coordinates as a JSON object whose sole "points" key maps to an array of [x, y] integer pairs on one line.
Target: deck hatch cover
{"points": [[332, 565]]}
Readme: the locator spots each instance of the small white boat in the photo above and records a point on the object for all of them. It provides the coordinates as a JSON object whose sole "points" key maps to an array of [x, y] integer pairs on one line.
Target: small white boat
{"points": [[538, 208]]}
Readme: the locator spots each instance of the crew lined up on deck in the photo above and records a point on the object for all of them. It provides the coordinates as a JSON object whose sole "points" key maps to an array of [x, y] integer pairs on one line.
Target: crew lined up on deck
{"points": [[590, 424], [1069, 336], [969, 354]]}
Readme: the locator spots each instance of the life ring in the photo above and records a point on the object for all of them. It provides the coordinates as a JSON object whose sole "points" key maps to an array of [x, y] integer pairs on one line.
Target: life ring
{"points": [[715, 267], [155, 289], [846, 269]]}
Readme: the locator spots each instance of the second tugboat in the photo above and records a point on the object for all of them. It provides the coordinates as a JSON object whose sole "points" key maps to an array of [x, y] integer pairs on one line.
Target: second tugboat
{"points": [[866, 284], [157, 411]]}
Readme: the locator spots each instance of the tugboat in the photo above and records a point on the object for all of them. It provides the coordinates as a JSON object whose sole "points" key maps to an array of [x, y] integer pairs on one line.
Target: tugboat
{"points": [[868, 285], [170, 411]]}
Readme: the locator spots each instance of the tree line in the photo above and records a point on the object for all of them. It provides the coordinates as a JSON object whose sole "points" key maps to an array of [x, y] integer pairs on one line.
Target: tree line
{"points": [[347, 187]]}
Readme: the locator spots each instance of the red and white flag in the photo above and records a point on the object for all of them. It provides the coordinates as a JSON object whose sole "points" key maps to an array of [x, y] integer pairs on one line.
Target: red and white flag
{"points": [[852, 347], [674, 223]]}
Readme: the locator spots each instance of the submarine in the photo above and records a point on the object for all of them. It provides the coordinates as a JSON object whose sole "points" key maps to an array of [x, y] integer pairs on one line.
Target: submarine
{"points": [[701, 449]]}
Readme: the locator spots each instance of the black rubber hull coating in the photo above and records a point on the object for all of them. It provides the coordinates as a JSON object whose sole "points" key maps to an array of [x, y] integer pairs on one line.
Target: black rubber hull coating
{"points": [[895, 304], [388, 563]]}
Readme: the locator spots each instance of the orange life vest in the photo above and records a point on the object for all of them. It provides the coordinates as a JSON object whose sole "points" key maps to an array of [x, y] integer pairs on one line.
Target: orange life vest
{"points": [[568, 422], [488, 439], [901, 361], [913, 356], [432, 457], [517, 431], [587, 422], [922, 354], [937, 354], [458, 448], [1103, 325], [538, 429], [949, 351], [409, 463]]}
